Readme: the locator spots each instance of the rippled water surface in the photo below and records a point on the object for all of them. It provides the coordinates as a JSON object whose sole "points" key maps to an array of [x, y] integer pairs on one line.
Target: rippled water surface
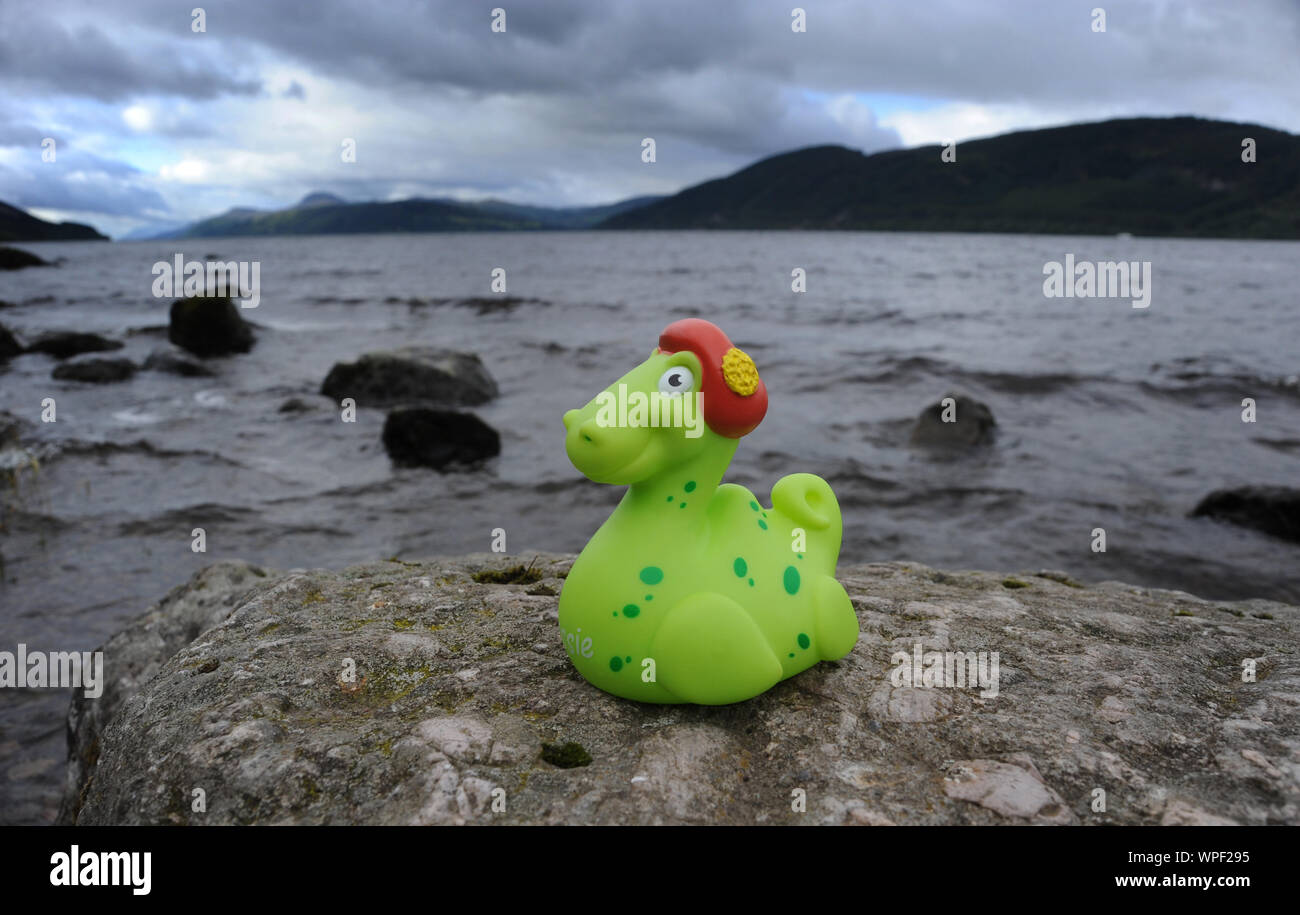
{"points": [[1108, 416]]}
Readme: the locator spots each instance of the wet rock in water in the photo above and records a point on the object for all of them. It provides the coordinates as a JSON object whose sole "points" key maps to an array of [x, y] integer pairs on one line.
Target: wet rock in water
{"points": [[17, 259], [461, 686], [209, 326], [161, 360], [423, 437], [971, 424], [1274, 510], [64, 344], [9, 345], [298, 405], [411, 375], [11, 429], [95, 371]]}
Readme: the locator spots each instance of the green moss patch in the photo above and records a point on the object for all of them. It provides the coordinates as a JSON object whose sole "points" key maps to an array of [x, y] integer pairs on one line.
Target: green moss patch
{"points": [[515, 575], [566, 756]]}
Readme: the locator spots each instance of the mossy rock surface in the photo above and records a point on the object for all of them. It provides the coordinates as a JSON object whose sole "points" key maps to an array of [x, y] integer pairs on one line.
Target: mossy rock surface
{"points": [[418, 692]]}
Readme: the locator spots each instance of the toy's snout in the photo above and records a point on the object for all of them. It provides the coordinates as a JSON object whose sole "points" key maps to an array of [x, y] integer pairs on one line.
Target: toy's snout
{"points": [[600, 451]]}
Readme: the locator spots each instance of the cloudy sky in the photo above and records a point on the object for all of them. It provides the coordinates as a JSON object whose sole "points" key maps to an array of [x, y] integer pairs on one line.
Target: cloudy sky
{"points": [[156, 123]]}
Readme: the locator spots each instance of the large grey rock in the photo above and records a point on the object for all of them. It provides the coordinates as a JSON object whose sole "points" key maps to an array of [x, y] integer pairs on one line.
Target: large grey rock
{"points": [[138, 652], [412, 375], [209, 326], [95, 371], [424, 437], [463, 701], [1274, 510], [971, 424], [175, 363], [64, 344], [17, 259]]}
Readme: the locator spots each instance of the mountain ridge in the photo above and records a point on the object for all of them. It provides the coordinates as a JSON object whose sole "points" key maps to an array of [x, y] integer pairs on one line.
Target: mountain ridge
{"points": [[1177, 177], [320, 213], [19, 225]]}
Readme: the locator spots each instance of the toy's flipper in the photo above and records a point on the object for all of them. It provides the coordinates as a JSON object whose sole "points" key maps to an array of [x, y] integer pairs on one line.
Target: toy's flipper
{"points": [[708, 651], [837, 621]]}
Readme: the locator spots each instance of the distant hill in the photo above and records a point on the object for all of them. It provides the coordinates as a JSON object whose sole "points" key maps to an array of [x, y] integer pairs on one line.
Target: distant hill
{"points": [[325, 214], [1147, 176], [19, 225]]}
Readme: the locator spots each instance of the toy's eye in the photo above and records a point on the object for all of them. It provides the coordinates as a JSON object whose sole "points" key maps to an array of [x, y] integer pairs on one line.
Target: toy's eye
{"points": [[677, 380]]}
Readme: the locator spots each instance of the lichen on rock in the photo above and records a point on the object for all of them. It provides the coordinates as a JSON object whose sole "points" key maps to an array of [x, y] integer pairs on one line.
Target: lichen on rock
{"points": [[432, 693]]}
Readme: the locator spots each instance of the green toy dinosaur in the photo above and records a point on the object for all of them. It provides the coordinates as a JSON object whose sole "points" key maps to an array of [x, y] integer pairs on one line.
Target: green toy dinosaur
{"points": [[692, 591]]}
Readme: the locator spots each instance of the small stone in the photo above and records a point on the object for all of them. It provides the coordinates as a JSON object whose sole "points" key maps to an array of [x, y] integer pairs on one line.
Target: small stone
{"points": [[1008, 790]]}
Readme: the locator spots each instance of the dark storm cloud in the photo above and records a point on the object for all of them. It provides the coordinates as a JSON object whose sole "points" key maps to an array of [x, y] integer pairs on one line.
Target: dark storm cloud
{"points": [[553, 110], [95, 189], [1011, 51], [38, 53]]}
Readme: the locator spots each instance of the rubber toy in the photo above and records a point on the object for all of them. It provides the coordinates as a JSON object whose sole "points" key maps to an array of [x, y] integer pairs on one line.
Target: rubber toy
{"points": [[692, 591]]}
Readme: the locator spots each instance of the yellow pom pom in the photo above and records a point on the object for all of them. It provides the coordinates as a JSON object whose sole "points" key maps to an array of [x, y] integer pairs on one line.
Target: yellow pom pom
{"points": [[739, 372]]}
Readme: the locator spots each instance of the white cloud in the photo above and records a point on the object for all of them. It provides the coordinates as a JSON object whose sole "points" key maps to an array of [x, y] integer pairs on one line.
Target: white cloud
{"points": [[187, 170], [966, 122], [138, 117]]}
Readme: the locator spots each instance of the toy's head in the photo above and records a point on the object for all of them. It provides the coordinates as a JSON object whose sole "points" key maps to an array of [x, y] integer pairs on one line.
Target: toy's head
{"points": [[694, 392]]}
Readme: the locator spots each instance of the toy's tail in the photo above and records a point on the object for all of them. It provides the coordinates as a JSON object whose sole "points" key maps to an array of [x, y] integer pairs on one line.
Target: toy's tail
{"points": [[809, 502]]}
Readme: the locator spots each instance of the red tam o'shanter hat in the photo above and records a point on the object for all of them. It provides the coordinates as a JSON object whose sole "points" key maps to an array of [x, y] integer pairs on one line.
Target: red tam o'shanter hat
{"points": [[735, 398]]}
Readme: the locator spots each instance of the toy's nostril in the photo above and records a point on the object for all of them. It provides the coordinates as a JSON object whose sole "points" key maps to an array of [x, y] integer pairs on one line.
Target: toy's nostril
{"points": [[589, 433]]}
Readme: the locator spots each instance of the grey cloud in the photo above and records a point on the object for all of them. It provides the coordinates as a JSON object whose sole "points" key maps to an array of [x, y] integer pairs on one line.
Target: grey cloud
{"points": [[46, 186], [37, 52], [553, 110]]}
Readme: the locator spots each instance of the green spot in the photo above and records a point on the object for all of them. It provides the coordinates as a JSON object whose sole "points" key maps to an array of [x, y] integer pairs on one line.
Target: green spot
{"points": [[792, 654], [803, 640], [751, 582], [762, 524], [764, 514], [690, 486], [652, 575], [754, 506], [740, 567], [670, 498], [649, 597], [616, 664], [681, 504], [791, 580], [628, 659], [631, 610], [800, 555]]}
